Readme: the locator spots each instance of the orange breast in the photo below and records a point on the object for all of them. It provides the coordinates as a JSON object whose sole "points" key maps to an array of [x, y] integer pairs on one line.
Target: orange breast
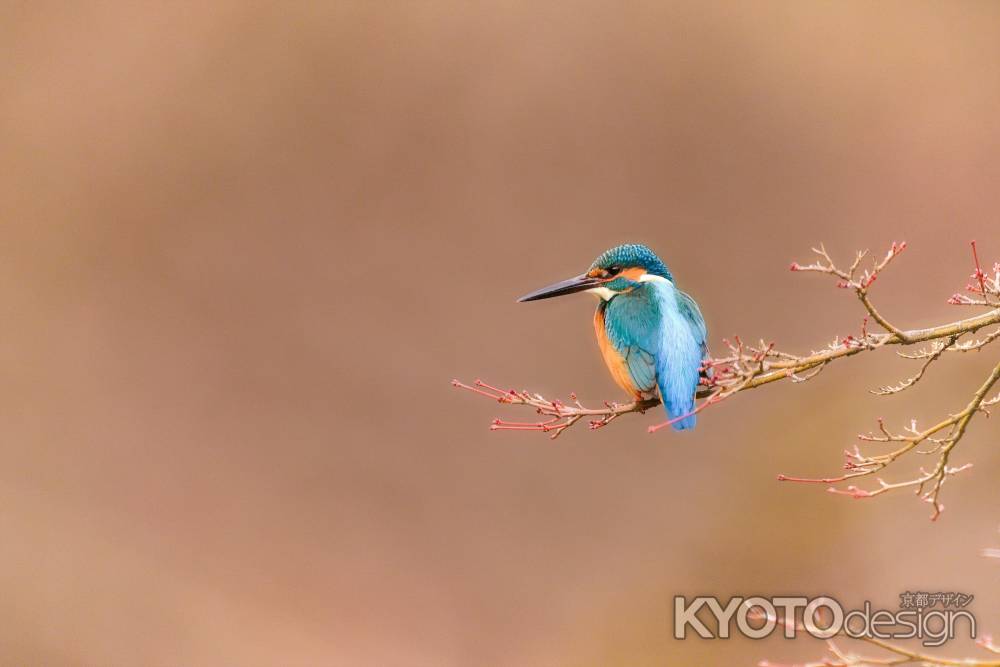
{"points": [[614, 360]]}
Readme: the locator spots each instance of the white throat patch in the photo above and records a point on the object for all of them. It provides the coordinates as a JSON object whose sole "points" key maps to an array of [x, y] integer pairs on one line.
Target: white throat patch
{"points": [[603, 292]]}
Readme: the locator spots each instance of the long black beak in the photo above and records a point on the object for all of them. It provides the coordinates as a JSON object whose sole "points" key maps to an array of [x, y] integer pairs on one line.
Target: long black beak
{"points": [[578, 284]]}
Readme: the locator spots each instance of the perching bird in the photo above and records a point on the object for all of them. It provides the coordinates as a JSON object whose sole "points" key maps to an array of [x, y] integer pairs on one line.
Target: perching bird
{"points": [[651, 334]]}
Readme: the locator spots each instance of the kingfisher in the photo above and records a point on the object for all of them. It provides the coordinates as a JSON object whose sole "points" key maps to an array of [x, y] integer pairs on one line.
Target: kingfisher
{"points": [[651, 334]]}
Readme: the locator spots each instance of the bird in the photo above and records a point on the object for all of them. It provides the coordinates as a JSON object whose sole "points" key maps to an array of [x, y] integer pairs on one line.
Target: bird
{"points": [[651, 334]]}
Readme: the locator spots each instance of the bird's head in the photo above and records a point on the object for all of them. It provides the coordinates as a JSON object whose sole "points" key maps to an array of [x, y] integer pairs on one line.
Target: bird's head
{"points": [[620, 269]]}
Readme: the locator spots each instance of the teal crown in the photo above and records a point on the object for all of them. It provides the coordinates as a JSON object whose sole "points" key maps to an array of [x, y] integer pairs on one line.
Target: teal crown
{"points": [[632, 254]]}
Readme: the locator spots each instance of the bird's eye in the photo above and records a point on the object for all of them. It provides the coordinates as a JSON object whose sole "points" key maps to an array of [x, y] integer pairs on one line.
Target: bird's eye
{"points": [[612, 271]]}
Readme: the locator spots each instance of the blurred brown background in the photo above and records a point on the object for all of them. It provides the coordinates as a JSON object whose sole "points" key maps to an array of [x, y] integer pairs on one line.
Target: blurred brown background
{"points": [[247, 245]]}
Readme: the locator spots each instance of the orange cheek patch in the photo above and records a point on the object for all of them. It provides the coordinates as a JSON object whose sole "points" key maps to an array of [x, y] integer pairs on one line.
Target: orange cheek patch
{"points": [[632, 273]]}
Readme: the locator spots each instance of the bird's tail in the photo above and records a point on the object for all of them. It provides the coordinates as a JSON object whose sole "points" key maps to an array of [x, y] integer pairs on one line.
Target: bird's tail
{"points": [[677, 394], [678, 381], [682, 415]]}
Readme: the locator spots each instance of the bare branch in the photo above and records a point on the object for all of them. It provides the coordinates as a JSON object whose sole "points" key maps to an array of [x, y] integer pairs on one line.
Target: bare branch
{"points": [[859, 465], [561, 416], [938, 349], [747, 366]]}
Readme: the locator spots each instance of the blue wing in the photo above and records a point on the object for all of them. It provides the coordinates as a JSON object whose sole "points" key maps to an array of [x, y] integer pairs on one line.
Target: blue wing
{"points": [[660, 335], [682, 349], [632, 324]]}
